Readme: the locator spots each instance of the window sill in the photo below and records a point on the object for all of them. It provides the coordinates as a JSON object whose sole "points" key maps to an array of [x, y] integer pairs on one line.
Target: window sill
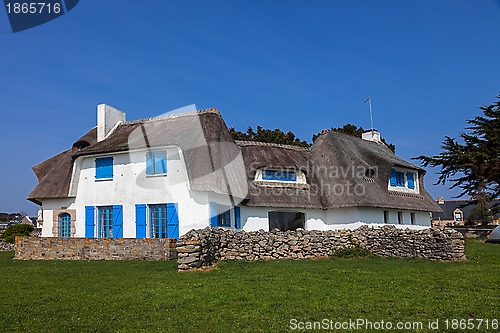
{"points": [[103, 179], [156, 175]]}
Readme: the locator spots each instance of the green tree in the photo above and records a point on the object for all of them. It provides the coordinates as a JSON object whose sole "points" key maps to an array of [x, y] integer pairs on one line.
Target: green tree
{"points": [[267, 135], [473, 165]]}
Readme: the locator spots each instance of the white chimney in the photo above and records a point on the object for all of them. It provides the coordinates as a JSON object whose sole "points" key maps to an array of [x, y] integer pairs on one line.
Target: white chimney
{"points": [[107, 118], [371, 136]]}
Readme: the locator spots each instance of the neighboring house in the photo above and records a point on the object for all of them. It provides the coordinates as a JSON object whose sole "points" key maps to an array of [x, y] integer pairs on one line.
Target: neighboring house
{"points": [[20, 219], [16, 220], [161, 177], [456, 213]]}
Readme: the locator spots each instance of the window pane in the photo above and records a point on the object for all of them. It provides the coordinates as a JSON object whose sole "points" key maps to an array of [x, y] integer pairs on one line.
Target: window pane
{"points": [[158, 221], [280, 175], [106, 222], [160, 161]]}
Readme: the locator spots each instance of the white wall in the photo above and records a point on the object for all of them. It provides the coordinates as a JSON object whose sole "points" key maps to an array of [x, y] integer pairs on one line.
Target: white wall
{"points": [[48, 205], [255, 218], [130, 186]]}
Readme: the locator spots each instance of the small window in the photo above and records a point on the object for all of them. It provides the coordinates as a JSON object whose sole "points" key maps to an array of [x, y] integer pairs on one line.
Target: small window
{"points": [[224, 217], [104, 168], [370, 173], [156, 162], [386, 216], [286, 220], [158, 221], [65, 224], [105, 222], [280, 175], [400, 217], [458, 216], [412, 218]]}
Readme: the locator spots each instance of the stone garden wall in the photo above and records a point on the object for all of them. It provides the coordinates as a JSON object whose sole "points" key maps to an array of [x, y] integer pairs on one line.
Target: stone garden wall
{"points": [[4, 246], [208, 246], [95, 248]]}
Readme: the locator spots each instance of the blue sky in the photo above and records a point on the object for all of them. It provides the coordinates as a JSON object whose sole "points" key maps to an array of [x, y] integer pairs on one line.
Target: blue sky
{"points": [[294, 65]]}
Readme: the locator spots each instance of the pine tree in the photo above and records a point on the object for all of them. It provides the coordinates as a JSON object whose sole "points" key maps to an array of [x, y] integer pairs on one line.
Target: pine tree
{"points": [[474, 165]]}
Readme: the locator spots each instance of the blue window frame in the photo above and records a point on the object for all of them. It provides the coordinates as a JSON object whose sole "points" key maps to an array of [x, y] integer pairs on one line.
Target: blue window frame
{"points": [[158, 221], [397, 178], [224, 217], [105, 221], [281, 175], [65, 224], [104, 168], [156, 162]]}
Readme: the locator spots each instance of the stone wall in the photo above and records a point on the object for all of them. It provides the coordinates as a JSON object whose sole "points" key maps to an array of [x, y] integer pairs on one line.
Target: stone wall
{"points": [[207, 246], [475, 232], [4, 246], [95, 248]]}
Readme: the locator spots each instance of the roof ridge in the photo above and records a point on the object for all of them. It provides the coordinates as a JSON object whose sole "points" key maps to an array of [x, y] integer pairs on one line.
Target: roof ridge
{"points": [[172, 116], [269, 144]]}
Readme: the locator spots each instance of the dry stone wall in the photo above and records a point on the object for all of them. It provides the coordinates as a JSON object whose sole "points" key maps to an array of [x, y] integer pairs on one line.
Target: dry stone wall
{"points": [[95, 248], [208, 246], [4, 246]]}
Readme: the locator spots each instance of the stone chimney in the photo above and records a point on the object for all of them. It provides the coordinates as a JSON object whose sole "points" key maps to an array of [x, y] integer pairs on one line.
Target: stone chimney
{"points": [[441, 200], [107, 118], [371, 136]]}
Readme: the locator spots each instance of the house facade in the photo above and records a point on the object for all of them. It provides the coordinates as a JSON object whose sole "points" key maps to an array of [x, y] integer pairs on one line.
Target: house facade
{"points": [[161, 177]]}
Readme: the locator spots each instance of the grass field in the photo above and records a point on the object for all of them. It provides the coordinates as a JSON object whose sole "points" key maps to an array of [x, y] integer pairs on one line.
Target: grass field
{"points": [[246, 296]]}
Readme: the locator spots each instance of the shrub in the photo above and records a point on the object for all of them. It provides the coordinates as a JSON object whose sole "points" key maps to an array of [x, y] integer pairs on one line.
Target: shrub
{"points": [[352, 252], [16, 230]]}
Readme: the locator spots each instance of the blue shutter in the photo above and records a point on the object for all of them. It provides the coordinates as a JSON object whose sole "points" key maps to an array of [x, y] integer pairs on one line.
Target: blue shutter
{"points": [[104, 167], [89, 221], [214, 216], [140, 221], [394, 181], [237, 217], [149, 163], [160, 161], [411, 181], [117, 221], [172, 221]]}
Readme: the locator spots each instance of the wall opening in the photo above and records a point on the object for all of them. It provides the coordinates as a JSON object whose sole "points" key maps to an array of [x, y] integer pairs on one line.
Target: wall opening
{"points": [[386, 216], [286, 220]]}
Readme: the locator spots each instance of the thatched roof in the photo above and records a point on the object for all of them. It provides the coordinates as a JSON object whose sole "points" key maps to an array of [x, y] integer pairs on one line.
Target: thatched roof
{"points": [[214, 160], [207, 146]]}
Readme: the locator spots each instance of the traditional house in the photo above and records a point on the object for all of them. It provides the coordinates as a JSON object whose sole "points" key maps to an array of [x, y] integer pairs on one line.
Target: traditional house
{"points": [[460, 212], [161, 177]]}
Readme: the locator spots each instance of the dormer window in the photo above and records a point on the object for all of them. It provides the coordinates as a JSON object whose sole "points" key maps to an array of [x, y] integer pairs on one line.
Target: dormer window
{"points": [[403, 180], [280, 175]]}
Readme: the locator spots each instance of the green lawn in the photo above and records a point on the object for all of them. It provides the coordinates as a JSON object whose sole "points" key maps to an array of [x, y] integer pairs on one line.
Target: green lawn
{"points": [[245, 296]]}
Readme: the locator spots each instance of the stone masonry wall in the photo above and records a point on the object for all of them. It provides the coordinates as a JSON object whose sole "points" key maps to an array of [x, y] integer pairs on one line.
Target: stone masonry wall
{"points": [[208, 246], [4, 246], [95, 248]]}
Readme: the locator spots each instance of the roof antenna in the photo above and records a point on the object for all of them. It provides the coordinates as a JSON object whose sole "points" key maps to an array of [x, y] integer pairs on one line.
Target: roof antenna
{"points": [[369, 100]]}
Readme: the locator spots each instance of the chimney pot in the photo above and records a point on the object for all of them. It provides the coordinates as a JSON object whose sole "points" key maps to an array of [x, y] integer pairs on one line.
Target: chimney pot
{"points": [[372, 135]]}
